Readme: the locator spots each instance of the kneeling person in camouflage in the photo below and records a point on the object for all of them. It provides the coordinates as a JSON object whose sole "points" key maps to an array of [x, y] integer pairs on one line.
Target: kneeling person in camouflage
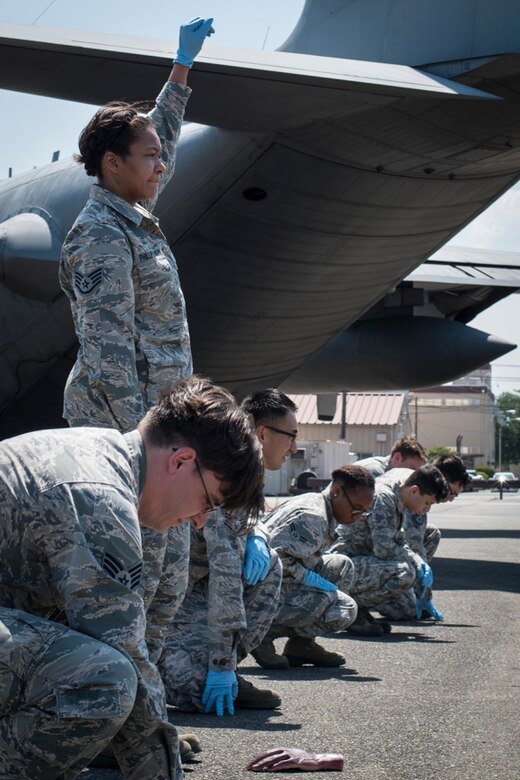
{"points": [[233, 589], [315, 583], [385, 566], [74, 651]]}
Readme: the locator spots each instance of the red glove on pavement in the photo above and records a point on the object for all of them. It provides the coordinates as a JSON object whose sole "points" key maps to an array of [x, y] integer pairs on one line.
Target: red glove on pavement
{"points": [[278, 759]]}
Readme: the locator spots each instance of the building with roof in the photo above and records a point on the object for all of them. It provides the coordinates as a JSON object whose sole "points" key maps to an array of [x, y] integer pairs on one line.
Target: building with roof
{"points": [[460, 416], [370, 422]]}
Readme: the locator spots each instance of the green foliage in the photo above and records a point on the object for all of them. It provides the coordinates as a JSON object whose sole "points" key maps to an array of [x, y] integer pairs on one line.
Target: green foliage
{"points": [[486, 471], [438, 449], [509, 403]]}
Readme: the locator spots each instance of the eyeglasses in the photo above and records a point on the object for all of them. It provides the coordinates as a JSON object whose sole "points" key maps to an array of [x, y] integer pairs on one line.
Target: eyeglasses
{"points": [[292, 436], [210, 505], [358, 512]]}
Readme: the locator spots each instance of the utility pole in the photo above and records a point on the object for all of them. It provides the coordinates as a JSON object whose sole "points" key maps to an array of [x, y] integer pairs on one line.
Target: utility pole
{"points": [[343, 430]]}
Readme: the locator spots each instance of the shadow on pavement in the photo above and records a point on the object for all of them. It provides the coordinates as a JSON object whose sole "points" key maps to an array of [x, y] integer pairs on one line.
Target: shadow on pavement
{"points": [[248, 720], [464, 574], [304, 673]]}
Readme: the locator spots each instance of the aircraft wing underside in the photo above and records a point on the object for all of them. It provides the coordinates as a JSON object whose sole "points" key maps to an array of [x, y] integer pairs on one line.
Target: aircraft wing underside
{"points": [[234, 88]]}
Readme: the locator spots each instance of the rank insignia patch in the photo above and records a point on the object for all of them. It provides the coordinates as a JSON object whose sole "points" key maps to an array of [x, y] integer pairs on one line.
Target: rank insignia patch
{"points": [[129, 577], [85, 283]]}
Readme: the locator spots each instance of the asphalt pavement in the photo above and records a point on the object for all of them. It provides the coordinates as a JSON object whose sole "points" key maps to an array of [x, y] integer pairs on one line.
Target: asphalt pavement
{"points": [[430, 701]]}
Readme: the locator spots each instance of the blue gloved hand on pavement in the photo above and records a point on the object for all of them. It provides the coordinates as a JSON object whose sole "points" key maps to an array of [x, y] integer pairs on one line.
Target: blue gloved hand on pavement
{"points": [[422, 604], [220, 690], [425, 575], [314, 580], [191, 38], [256, 560]]}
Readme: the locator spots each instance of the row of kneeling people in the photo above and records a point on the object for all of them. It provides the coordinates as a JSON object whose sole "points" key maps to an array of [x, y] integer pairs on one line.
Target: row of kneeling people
{"points": [[135, 570]]}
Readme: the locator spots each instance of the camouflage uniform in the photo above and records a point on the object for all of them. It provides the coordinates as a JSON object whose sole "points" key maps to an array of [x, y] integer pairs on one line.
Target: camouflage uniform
{"points": [[377, 465], [74, 664], [385, 566], [301, 531], [221, 616], [129, 313]]}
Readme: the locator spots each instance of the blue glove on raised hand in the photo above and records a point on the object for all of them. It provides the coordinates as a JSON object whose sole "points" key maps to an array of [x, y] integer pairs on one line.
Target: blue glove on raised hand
{"points": [[220, 690], [421, 605], [425, 576], [314, 580], [256, 560], [191, 38]]}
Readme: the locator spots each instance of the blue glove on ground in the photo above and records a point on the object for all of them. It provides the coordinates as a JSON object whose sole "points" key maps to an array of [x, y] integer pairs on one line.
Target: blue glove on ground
{"points": [[191, 38], [421, 605], [256, 560], [425, 576], [314, 580], [220, 690]]}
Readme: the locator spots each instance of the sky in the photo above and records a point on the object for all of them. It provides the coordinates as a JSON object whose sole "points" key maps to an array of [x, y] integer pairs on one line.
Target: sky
{"points": [[32, 128]]}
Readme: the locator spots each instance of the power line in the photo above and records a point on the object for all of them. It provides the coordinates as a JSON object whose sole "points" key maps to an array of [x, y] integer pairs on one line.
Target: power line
{"points": [[44, 11]]}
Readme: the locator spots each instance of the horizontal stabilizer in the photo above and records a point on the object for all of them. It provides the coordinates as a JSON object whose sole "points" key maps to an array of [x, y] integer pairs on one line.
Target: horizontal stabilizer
{"points": [[237, 89]]}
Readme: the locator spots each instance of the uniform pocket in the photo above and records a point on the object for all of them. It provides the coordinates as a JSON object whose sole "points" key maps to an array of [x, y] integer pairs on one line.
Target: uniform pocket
{"points": [[88, 701]]}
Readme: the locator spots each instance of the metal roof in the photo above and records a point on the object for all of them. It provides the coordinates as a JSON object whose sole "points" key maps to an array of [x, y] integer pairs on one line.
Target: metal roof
{"points": [[362, 409]]}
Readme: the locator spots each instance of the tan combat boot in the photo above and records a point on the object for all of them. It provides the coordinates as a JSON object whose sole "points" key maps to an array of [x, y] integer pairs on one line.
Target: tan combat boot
{"points": [[301, 650], [265, 655], [251, 698], [189, 745]]}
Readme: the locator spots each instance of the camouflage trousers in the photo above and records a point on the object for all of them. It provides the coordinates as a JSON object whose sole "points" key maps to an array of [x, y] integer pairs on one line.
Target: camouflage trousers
{"points": [[185, 660], [378, 581], [307, 612], [403, 607], [63, 696]]}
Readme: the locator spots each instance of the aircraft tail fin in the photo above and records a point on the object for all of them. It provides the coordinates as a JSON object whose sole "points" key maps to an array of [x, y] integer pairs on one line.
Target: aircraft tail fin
{"points": [[418, 33]]}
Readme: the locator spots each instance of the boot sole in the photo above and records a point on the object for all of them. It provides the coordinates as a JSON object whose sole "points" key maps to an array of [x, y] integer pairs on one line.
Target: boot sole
{"points": [[297, 660]]}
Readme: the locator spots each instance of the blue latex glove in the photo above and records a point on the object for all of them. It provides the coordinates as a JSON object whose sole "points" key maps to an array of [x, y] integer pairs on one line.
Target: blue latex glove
{"points": [[256, 560], [220, 690], [314, 580], [191, 38], [425, 576], [421, 605]]}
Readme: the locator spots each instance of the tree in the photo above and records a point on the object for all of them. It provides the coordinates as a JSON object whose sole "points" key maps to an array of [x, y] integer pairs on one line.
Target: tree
{"points": [[509, 423], [438, 449]]}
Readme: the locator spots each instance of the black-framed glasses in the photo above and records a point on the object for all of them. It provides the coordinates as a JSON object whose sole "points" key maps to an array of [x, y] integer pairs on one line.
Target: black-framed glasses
{"points": [[210, 505], [451, 493], [292, 436], [359, 512]]}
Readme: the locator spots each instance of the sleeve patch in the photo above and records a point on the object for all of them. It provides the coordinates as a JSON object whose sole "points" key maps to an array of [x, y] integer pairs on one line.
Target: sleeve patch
{"points": [[130, 577], [85, 283]]}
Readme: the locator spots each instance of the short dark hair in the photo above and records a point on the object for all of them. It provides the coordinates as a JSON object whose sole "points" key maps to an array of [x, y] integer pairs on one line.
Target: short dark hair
{"points": [[268, 405], [196, 413], [353, 476], [409, 447], [430, 481], [452, 467], [115, 126]]}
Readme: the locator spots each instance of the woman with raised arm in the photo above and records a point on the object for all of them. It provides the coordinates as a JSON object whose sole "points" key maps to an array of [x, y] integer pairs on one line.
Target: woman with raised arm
{"points": [[117, 268]]}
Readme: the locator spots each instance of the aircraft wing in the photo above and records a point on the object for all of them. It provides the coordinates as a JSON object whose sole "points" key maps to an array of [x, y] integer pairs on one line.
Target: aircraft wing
{"points": [[273, 90]]}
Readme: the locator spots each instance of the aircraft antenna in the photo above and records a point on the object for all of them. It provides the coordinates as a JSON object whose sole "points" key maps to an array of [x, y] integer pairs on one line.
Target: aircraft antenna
{"points": [[44, 11], [266, 34]]}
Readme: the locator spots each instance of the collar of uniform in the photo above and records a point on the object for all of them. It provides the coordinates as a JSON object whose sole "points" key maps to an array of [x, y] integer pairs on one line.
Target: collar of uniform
{"points": [[135, 214], [135, 444], [328, 508]]}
